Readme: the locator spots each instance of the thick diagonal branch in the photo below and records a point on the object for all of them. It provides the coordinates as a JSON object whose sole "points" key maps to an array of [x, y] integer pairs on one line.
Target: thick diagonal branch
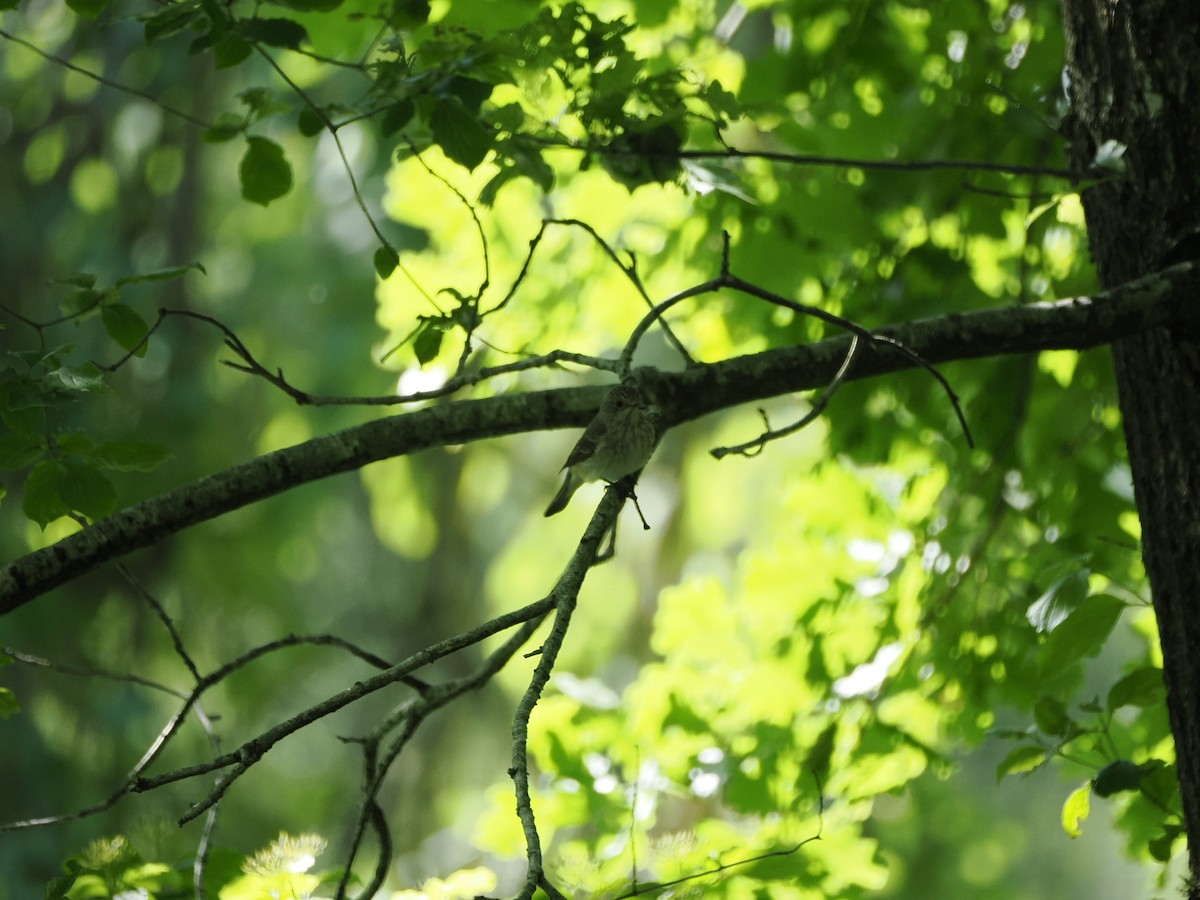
{"points": [[1162, 300]]}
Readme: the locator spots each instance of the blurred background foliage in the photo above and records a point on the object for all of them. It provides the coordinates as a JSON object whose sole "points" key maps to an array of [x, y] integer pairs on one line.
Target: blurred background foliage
{"points": [[868, 617]]}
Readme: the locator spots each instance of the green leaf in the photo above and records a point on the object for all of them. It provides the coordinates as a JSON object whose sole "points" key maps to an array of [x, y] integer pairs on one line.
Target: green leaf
{"points": [[1162, 847], [42, 502], [85, 490], [230, 49], [82, 300], [386, 260], [125, 327], [129, 456], [169, 20], [275, 32], [1075, 810], [428, 341], [721, 101], [162, 274], [265, 172], [1021, 759], [89, 9], [471, 91], [261, 102], [18, 451], [409, 13], [459, 133], [396, 117], [85, 379], [58, 887], [819, 756], [309, 5], [8, 703], [308, 123], [1122, 775], [26, 421], [78, 279], [1081, 634], [1051, 716], [9, 4], [1141, 687], [225, 127], [74, 443]]}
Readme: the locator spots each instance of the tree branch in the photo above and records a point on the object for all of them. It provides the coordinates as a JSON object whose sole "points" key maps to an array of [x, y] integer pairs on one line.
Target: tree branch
{"points": [[1160, 300]]}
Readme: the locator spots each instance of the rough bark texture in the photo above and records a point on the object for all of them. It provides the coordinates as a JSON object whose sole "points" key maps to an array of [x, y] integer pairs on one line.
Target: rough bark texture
{"points": [[1134, 69]]}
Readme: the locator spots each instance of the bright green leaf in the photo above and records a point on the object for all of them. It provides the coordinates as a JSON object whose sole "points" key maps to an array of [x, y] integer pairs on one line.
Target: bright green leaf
{"points": [[265, 172], [1075, 810], [1021, 759]]}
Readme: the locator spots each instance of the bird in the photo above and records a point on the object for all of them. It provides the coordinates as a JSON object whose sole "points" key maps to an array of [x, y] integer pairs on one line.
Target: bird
{"points": [[617, 442]]}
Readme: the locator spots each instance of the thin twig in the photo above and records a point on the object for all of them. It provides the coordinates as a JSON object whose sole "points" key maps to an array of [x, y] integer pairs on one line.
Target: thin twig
{"points": [[412, 715], [814, 159], [564, 596], [108, 82], [754, 447]]}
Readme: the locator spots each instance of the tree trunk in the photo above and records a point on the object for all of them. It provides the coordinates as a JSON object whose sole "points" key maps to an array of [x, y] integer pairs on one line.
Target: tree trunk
{"points": [[1134, 70]]}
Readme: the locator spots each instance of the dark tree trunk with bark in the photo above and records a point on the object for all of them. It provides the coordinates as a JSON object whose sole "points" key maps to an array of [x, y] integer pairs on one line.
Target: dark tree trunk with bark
{"points": [[1134, 70]]}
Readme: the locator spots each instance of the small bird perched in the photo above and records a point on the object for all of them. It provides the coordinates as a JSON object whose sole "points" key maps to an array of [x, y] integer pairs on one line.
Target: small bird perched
{"points": [[617, 442]]}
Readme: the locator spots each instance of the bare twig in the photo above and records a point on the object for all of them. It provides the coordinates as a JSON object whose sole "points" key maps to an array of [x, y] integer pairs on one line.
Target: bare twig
{"points": [[411, 716], [108, 82], [628, 269], [754, 447], [820, 160], [728, 280], [564, 596], [161, 613]]}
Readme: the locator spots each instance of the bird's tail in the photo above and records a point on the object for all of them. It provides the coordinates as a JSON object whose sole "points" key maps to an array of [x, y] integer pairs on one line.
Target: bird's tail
{"points": [[570, 485]]}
